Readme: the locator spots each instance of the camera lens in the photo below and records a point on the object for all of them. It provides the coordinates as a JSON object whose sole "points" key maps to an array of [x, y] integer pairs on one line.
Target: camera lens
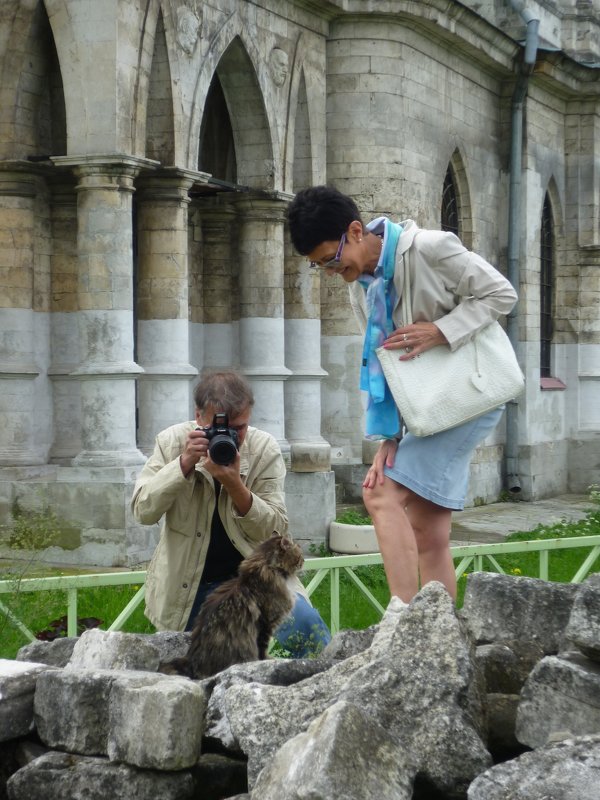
{"points": [[222, 449]]}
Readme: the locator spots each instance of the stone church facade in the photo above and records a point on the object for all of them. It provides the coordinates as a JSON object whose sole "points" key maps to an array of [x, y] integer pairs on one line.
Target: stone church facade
{"points": [[148, 150]]}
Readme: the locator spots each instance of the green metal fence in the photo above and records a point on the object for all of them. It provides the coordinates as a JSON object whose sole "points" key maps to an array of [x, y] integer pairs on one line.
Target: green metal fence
{"points": [[478, 556]]}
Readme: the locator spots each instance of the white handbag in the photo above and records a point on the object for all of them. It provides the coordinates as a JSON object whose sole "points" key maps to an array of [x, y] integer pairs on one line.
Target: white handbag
{"points": [[440, 388]]}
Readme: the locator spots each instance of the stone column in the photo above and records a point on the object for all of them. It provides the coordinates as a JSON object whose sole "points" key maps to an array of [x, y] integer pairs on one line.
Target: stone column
{"points": [[20, 440], [64, 327], [309, 451], [262, 330], [163, 347], [220, 285], [107, 370]]}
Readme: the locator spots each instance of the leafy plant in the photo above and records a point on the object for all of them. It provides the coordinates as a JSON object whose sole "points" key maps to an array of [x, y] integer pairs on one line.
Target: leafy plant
{"points": [[319, 550], [33, 529], [353, 517], [58, 627]]}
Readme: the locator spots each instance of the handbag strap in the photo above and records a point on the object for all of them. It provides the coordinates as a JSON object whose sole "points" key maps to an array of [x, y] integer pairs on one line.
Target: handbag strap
{"points": [[406, 304], [407, 317]]}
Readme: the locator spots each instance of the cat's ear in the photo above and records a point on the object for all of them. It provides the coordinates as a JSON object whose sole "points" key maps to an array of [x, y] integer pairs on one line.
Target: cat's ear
{"points": [[285, 543]]}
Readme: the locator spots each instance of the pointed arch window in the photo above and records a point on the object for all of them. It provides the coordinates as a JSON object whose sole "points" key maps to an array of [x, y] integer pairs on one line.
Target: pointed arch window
{"points": [[449, 220], [546, 288], [217, 148]]}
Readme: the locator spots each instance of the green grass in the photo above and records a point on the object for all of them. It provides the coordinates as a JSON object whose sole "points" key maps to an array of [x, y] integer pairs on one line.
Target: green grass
{"points": [[38, 609], [355, 610]]}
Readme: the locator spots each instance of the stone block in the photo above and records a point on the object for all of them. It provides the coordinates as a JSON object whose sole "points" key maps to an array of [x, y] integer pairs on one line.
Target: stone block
{"points": [[17, 687], [498, 608], [83, 700], [356, 758], [507, 665], [584, 623], [156, 725], [569, 770], [56, 653], [97, 649], [561, 696], [347, 643], [62, 776], [169, 644]]}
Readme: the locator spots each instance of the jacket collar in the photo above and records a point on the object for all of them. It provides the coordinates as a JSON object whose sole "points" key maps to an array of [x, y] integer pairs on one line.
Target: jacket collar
{"points": [[409, 231]]}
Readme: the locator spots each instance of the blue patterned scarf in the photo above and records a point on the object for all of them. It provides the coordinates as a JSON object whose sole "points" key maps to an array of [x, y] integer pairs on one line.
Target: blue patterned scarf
{"points": [[382, 419]]}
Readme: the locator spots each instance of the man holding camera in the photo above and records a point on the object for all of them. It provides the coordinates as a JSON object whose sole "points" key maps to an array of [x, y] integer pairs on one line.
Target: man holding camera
{"points": [[219, 483]]}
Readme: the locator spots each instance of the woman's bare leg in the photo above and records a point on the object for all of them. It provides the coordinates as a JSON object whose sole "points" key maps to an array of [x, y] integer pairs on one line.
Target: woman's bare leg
{"points": [[385, 501], [413, 533], [431, 525]]}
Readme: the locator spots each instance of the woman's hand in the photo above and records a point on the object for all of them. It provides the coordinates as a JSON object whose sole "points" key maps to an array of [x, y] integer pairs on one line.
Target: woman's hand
{"points": [[415, 339], [384, 457]]}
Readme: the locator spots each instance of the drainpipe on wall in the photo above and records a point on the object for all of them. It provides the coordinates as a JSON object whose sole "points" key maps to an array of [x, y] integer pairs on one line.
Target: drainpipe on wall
{"points": [[511, 451]]}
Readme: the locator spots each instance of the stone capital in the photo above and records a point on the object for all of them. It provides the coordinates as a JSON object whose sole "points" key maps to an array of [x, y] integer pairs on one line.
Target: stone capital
{"points": [[170, 184], [261, 207], [105, 171]]}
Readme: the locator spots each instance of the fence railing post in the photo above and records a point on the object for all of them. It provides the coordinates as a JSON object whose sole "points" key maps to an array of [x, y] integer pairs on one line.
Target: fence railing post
{"points": [[335, 600], [72, 612]]}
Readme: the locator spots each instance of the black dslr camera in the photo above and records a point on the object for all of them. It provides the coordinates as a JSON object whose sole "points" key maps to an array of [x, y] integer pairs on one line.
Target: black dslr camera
{"points": [[223, 440]]}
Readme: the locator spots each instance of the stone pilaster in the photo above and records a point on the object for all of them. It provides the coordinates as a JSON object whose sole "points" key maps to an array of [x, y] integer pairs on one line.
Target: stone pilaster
{"points": [[64, 327], [262, 329], [21, 442], [163, 347], [220, 285], [302, 390], [107, 371]]}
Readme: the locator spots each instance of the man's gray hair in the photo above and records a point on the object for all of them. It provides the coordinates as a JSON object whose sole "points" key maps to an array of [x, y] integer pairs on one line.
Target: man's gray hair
{"points": [[225, 391]]}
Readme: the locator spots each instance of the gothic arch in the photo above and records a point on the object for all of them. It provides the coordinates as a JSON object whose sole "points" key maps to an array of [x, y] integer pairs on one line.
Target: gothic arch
{"points": [[300, 134], [305, 128], [554, 195], [31, 88], [457, 170], [238, 64], [563, 303], [216, 153], [159, 124]]}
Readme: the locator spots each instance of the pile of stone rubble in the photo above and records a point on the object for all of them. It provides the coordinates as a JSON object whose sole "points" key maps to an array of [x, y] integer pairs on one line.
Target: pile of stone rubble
{"points": [[497, 701]]}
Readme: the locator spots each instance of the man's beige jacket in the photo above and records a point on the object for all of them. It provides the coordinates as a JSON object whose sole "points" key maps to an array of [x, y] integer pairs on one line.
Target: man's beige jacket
{"points": [[187, 505]]}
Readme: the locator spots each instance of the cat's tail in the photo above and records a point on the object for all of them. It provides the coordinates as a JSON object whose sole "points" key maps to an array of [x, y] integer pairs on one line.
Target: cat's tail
{"points": [[179, 666]]}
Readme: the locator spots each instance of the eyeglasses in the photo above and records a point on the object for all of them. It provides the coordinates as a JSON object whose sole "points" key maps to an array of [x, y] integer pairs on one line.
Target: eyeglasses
{"points": [[333, 262]]}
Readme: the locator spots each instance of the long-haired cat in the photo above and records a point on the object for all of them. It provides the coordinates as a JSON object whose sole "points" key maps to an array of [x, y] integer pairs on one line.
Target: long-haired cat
{"points": [[237, 619]]}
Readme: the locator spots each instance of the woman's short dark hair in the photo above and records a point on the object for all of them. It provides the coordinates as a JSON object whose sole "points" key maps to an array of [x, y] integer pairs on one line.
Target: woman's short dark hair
{"points": [[319, 214], [226, 391]]}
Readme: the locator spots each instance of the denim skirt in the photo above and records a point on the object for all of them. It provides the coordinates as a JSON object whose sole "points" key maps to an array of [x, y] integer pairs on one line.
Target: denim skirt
{"points": [[436, 467]]}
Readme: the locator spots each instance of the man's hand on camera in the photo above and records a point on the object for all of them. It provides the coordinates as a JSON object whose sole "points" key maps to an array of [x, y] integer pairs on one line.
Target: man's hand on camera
{"points": [[196, 447], [228, 475]]}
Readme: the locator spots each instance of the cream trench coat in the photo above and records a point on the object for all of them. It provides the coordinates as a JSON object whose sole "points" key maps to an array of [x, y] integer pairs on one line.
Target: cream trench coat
{"points": [[450, 285], [187, 505]]}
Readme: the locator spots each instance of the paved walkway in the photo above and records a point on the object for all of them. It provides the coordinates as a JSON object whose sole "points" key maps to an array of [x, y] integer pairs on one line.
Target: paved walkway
{"points": [[493, 522]]}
